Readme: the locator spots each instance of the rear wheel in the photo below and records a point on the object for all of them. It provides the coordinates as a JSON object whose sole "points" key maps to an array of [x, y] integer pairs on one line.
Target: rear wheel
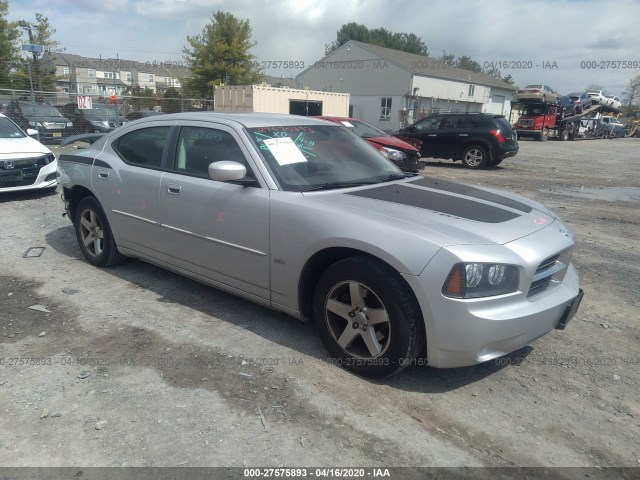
{"points": [[564, 135], [475, 157], [367, 318], [94, 234]]}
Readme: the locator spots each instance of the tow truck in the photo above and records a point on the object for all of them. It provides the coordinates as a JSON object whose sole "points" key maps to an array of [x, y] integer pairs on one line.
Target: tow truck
{"points": [[547, 120]]}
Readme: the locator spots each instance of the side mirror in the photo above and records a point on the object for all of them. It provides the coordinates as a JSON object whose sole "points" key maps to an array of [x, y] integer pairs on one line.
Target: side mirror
{"points": [[32, 132], [227, 171]]}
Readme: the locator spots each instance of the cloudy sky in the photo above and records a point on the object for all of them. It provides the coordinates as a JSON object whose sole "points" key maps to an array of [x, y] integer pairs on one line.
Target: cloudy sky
{"points": [[535, 33]]}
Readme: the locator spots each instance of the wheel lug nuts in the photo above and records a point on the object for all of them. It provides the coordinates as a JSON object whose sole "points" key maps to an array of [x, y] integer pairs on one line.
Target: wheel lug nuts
{"points": [[355, 325]]}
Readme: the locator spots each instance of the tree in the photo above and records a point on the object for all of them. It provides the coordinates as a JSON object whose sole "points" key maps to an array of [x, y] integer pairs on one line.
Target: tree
{"points": [[631, 95], [509, 79], [406, 42], [9, 52], [170, 102], [467, 63], [220, 54], [448, 59]]}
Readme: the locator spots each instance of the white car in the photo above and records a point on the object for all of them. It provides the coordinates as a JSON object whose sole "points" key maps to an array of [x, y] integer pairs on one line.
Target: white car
{"points": [[614, 102], [598, 97], [25, 163]]}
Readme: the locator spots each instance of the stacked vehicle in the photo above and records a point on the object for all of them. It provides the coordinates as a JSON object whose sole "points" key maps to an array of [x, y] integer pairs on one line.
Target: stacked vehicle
{"points": [[544, 114]]}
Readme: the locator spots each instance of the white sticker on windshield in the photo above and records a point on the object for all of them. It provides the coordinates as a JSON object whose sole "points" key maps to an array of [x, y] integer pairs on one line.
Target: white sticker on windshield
{"points": [[284, 150], [347, 124]]}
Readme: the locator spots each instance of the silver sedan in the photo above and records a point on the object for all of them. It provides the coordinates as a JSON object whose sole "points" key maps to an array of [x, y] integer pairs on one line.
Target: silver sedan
{"points": [[302, 216]]}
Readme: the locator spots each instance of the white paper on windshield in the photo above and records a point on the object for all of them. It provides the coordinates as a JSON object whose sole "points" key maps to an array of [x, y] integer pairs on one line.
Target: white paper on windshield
{"points": [[284, 150], [347, 124]]}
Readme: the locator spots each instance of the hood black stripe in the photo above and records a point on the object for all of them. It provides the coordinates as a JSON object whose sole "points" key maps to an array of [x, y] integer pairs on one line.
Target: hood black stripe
{"points": [[438, 202], [470, 191]]}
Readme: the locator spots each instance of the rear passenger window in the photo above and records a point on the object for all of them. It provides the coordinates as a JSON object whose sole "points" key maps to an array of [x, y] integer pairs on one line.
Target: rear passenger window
{"points": [[143, 147], [198, 147]]}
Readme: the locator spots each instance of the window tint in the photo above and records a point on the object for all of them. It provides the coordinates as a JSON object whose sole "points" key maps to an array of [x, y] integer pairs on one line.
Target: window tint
{"points": [[448, 123], [429, 123], [143, 147], [198, 147]]}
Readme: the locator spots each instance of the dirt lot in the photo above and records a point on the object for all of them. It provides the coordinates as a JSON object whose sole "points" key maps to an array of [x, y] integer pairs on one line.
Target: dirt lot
{"points": [[135, 366]]}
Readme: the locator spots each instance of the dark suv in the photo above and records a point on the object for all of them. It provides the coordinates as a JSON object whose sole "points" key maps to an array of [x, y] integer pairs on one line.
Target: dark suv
{"points": [[52, 127], [98, 119], [478, 139]]}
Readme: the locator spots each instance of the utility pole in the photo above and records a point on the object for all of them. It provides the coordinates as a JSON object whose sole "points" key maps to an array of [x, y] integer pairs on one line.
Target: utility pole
{"points": [[27, 26]]}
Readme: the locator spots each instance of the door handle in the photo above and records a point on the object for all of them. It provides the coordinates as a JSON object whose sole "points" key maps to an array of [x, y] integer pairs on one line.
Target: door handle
{"points": [[463, 134], [173, 188], [432, 135], [103, 174]]}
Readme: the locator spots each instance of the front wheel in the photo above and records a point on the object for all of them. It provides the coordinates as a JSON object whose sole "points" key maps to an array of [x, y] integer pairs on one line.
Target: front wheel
{"points": [[475, 157], [544, 135], [367, 317], [94, 234]]}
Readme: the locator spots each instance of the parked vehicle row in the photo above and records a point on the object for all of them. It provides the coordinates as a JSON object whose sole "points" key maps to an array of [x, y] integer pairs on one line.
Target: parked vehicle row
{"points": [[576, 102]]}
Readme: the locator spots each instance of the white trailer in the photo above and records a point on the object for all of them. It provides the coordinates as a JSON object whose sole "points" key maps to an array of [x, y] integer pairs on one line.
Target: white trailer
{"points": [[264, 98]]}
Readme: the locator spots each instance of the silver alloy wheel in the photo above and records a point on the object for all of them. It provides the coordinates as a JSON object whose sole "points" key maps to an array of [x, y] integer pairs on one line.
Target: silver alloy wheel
{"points": [[91, 232], [358, 320], [473, 157]]}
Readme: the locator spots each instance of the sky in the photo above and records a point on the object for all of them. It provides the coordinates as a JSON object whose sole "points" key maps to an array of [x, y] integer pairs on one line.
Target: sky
{"points": [[567, 44]]}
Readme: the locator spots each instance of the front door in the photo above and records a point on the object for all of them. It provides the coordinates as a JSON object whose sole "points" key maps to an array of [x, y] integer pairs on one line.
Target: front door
{"points": [[216, 229]]}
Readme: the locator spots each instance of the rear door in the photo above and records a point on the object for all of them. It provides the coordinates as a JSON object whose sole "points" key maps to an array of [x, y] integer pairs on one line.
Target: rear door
{"points": [[126, 178]]}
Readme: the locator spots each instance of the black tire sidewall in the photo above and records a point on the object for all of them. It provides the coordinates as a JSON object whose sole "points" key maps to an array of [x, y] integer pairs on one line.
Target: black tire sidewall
{"points": [[402, 312], [109, 252]]}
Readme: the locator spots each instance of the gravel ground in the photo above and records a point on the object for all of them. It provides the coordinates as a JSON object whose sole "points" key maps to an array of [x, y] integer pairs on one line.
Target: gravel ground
{"points": [[136, 366]]}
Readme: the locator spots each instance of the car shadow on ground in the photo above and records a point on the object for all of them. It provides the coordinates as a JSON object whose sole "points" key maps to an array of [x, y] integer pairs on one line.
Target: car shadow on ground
{"points": [[284, 330], [450, 164], [22, 195]]}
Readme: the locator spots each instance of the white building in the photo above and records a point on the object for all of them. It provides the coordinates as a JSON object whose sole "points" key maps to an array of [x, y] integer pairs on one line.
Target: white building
{"points": [[390, 88]]}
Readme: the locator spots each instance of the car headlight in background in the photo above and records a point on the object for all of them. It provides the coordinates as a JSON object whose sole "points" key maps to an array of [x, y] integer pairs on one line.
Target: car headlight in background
{"points": [[35, 124], [474, 280], [393, 154], [99, 123], [69, 124]]}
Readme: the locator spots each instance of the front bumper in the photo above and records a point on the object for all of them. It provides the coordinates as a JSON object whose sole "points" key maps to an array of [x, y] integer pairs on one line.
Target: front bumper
{"points": [[463, 332], [46, 178]]}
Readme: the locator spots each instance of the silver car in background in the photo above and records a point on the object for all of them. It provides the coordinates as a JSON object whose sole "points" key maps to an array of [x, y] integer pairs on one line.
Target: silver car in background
{"points": [[303, 216]]}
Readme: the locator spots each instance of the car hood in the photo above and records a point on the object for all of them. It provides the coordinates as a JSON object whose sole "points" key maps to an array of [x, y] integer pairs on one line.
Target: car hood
{"points": [[443, 212], [392, 142], [15, 148]]}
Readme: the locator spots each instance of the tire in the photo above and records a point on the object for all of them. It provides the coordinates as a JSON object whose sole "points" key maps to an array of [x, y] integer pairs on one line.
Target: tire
{"points": [[94, 234], [475, 157], [564, 135], [544, 99], [346, 295], [544, 135]]}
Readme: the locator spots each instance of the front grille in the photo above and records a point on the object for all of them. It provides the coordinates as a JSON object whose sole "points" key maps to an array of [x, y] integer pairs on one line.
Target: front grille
{"points": [[525, 123], [18, 173], [549, 272]]}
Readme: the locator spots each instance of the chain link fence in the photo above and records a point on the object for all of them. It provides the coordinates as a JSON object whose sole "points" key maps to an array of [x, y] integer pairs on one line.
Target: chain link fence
{"points": [[57, 115]]}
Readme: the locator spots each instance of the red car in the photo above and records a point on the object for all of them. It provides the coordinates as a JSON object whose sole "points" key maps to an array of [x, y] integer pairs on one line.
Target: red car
{"points": [[403, 154]]}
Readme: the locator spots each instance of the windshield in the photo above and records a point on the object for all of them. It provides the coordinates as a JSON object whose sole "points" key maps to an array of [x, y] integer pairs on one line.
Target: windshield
{"points": [[363, 129], [531, 110], [302, 157], [100, 112], [8, 129], [39, 109]]}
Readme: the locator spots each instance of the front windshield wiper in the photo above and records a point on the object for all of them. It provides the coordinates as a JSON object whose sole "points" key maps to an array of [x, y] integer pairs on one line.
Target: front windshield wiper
{"points": [[333, 185]]}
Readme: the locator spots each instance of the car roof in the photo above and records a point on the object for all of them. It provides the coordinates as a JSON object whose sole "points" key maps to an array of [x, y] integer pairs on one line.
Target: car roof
{"points": [[247, 120]]}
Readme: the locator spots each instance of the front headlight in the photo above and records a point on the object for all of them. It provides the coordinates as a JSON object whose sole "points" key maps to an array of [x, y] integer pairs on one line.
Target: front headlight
{"points": [[69, 124], [393, 154], [474, 280], [35, 124], [99, 123]]}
